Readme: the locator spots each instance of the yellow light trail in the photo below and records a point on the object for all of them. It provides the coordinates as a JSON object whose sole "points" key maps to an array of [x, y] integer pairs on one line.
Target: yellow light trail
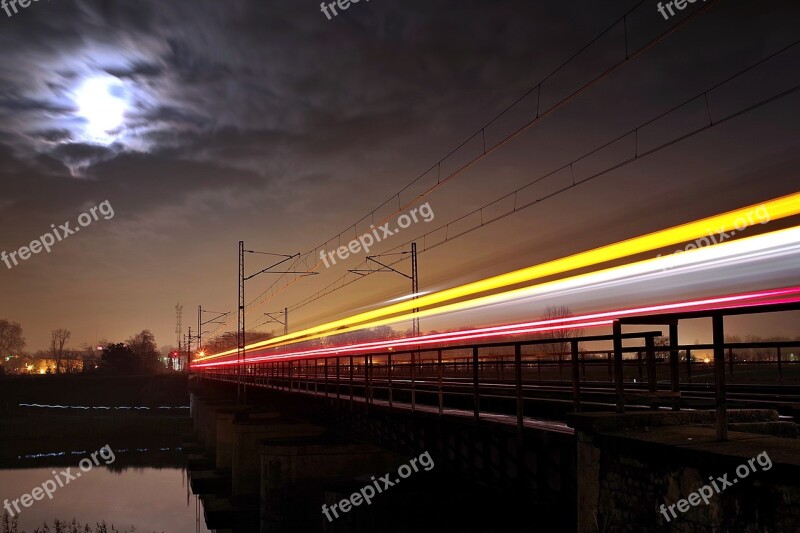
{"points": [[777, 208], [729, 251]]}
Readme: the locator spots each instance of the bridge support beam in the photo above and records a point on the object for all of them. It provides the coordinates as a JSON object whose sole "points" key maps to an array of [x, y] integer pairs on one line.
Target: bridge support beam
{"points": [[674, 361], [295, 473], [719, 376], [476, 396], [576, 378], [619, 376], [226, 419], [246, 457]]}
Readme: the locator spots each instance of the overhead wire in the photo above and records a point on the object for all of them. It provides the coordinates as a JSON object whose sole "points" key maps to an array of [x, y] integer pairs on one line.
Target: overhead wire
{"points": [[265, 296], [262, 298], [340, 283]]}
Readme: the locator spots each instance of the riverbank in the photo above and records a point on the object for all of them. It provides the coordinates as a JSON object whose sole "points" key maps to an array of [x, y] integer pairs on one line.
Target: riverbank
{"points": [[94, 390]]}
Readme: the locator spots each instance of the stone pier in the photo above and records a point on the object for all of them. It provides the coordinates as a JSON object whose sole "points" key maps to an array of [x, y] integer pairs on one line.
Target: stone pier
{"points": [[295, 472], [633, 467]]}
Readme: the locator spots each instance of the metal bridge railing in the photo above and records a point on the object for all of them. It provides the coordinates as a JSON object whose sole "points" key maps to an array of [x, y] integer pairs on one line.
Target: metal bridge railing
{"points": [[499, 378]]}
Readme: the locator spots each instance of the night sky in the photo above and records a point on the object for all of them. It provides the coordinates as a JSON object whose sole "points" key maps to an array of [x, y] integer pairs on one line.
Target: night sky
{"points": [[204, 123]]}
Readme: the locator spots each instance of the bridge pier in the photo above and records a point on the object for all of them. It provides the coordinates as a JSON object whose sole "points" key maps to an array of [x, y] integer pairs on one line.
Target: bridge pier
{"points": [[272, 472], [226, 433], [295, 471], [207, 422], [633, 467], [248, 435]]}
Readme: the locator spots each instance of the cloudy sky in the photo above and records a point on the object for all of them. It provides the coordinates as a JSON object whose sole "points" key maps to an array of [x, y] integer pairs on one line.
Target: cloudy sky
{"points": [[204, 123]]}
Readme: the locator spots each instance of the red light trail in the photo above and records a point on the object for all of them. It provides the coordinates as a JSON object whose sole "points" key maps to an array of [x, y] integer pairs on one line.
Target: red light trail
{"points": [[591, 320]]}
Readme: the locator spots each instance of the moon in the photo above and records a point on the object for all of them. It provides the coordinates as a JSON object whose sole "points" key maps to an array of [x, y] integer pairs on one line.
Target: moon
{"points": [[101, 103]]}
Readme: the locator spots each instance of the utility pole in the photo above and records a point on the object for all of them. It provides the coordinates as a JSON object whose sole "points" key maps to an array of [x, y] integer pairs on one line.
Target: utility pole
{"points": [[414, 277], [414, 287], [271, 317], [199, 328], [178, 326], [241, 393], [216, 319], [241, 352]]}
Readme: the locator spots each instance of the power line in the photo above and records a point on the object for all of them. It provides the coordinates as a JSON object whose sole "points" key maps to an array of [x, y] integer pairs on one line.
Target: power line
{"points": [[264, 296], [514, 194], [487, 151]]}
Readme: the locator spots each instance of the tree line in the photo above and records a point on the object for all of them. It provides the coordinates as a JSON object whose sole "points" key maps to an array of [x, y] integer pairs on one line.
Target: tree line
{"points": [[138, 354]]}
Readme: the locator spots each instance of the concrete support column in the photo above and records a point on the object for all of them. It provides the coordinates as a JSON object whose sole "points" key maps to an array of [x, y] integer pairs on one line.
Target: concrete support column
{"points": [[246, 449], [295, 472]]}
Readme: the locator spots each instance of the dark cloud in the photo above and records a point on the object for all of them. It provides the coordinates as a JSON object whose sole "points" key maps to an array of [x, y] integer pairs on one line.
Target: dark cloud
{"points": [[264, 120], [16, 103], [137, 71], [54, 135]]}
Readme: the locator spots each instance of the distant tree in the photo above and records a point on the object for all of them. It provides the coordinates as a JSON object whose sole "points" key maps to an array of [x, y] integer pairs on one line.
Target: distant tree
{"points": [[89, 357], [119, 359], [563, 346], [221, 342], [58, 339], [11, 339], [229, 340], [383, 333], [661, 344], [143, 345], [72, 361]]}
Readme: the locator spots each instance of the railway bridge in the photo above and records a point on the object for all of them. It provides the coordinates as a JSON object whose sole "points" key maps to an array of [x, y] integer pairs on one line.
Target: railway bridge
{"points": [[604, 435]]}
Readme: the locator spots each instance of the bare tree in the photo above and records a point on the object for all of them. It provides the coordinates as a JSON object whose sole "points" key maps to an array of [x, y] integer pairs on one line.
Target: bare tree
{"points": [[229, 340], [563, 346], [58, 339], [11, 339]]}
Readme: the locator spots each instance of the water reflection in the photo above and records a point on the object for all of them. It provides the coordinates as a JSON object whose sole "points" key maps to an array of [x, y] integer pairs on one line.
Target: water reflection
{"points": [[151, 499]]}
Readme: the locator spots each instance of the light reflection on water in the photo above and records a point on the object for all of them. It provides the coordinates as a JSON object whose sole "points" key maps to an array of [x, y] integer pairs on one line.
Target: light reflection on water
{"points": [[151, 499], [86, 452]]}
